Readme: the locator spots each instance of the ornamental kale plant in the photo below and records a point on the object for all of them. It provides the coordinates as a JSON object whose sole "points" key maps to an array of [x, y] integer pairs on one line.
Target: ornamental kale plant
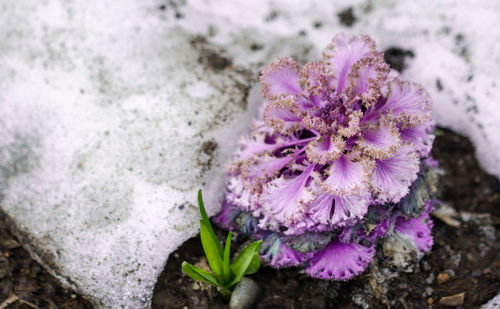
{"points": [[225, 274], [337, 160]]}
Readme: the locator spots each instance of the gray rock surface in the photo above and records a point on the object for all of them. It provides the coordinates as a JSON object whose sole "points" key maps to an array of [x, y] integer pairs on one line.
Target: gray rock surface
{"points": [[113, 114], [245, 294]]}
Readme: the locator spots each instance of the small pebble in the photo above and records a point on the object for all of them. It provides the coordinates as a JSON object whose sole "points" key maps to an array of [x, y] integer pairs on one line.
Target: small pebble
{"points": [[476, 273], [453, 300], [430, 301], [443, 277], [244, 295], [430, 279]]}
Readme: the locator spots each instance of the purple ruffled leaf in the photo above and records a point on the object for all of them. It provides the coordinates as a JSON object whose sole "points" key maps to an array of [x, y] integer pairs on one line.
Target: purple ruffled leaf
{"points": [[325, 149], [340, 261], [431, 162], [283, 116], [280, 78], [366, 78], [420, 136], [239, 195], [408, 102], [346, 177], [225, 219], [379, 231], [262, 168], [278, 255], [351, 127], [381, 142], [250, 146], [313, 78], [334, 211], [343, 53], [393, 176], [286, 199], [419, 231]]}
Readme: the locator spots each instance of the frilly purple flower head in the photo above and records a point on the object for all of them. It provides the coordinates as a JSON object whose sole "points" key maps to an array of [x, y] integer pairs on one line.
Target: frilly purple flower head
{"points": [[338, 159]]}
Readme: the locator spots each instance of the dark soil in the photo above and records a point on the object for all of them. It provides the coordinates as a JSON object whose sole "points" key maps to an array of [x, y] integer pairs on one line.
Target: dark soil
{"points": [[346, 17], [469, 255], [22, 277], [396, 57]]}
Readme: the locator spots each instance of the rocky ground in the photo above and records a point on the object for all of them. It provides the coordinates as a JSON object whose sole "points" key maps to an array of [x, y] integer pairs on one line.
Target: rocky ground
{"points": [[25, 284], [463, 268]]}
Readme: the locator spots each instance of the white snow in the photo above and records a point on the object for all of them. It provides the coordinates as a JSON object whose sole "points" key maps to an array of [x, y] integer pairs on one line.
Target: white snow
{"points": [[109, 113]]}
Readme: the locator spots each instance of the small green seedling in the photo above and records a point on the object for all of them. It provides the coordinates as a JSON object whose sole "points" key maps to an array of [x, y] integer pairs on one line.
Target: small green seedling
{"points": [[225, 274]]}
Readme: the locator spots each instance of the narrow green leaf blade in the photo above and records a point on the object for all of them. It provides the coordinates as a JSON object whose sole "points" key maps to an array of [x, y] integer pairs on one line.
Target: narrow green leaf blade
{"points": [[209, 243], [254, 264], [204, 218], [201, 205], [243, 260], [225, 264], [199, 274]]}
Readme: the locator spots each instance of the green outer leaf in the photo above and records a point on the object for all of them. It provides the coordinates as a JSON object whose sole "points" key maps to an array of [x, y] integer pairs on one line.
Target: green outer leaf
{"points": [[199, 274], [254, 264], [209, 243], [204, 218], [225, 263], [243, 260]]}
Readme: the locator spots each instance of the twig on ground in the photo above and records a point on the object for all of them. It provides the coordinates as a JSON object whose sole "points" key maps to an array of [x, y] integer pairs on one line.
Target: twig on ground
{"points": [[27, 303], [13, 298], [10, 300]]}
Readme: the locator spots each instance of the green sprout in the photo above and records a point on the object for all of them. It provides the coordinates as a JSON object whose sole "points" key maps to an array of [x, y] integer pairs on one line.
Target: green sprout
{"points": [[225, 274]]}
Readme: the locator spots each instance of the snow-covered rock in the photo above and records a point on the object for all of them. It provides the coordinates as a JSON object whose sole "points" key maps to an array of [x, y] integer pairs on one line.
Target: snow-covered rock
{"points": [[110, 121], [113, 113]]}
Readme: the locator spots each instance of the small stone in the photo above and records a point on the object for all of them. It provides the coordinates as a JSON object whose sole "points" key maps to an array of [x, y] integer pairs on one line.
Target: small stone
{"points": [[196, 286], [430, 301], [245, 294], [430, 279], [447, 214], [476, 273], [453, 300], [443, 277]]}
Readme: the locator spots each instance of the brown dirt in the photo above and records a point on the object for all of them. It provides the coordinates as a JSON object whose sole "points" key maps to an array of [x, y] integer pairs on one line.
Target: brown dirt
{"points": [[21, 276], [468, 255]]}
